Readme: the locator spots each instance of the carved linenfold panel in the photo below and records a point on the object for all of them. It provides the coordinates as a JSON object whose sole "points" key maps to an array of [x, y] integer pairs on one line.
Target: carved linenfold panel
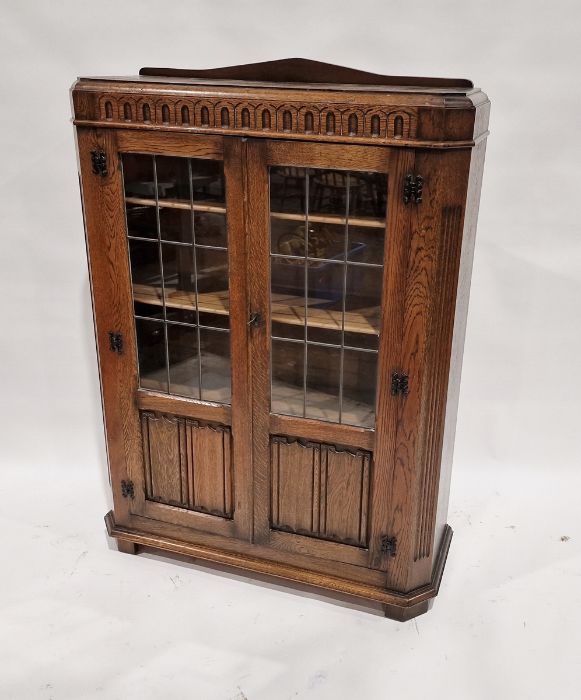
{"points": [[327, 121], [319, 490], [187, 463], [436, 384]]}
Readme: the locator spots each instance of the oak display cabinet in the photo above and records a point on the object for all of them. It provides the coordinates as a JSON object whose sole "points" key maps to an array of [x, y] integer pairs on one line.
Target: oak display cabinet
{"points": [[280, 259]]}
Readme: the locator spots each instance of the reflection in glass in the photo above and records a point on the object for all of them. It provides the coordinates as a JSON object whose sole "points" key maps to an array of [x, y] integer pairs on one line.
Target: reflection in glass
{"points": [[323, 379], [173, 178], [360, 370], [215, 355], [151, 355], [179, 283], [184, 366], [327, 239], [287, 378], [146, 278], [176, 225], [211, 229]]}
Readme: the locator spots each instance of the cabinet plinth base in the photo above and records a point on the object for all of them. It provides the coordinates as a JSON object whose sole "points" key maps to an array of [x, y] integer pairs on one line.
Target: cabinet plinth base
{"points": [[126, 546], [397, 606]]}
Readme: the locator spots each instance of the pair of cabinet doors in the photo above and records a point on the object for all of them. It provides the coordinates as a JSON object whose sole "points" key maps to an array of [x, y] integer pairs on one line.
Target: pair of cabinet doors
{"points": [[249, 303]]}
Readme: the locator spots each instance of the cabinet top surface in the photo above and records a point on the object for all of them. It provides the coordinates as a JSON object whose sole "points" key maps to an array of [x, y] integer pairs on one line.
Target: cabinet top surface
{"points": [[297, 73]]}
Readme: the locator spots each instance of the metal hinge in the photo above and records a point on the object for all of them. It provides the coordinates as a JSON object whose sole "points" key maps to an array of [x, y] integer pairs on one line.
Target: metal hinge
{"points": [[115, 342], [389, 545], [99, 161], [127, 489], [399, 384], [412, 188]]}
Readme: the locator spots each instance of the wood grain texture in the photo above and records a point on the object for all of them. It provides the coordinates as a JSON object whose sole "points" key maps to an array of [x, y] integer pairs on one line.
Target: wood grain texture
{"points": [[319, 490], [178, 405], [403, 115], [432, 268], [188, 464], [319, 431], [459, 333], [112, 305], [242, 397]]}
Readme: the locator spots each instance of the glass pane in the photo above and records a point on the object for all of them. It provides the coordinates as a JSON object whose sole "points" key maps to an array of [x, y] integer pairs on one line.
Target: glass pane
{"points": [[151, 354], [180, 276], [138, 176], [323, 383], [146, 278], [359, 378], [327, 241], [368, 195], [212, 270], [208, 181], [363, 306], [287, 391], [179, 283], [328, 192], [173, 179], [175, 224], [215, 354], [184, 366], [288, 190], [210, 229], [366, 244], [141, 221], [288, 297]]}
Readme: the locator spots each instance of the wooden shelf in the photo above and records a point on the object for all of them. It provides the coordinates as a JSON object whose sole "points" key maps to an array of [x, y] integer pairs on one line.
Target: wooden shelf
{"points": [[178, 204], [285, 309], [330, 219], [284, 216]]}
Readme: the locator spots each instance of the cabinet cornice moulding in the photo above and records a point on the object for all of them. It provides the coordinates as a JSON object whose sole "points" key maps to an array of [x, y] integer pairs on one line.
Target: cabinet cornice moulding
{"points": [[395, 119]]}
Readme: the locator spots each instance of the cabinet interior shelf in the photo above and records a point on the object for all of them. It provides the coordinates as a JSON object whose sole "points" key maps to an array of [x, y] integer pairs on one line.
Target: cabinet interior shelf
{"points": [[178, 204], [285, 308], [283, 216]]}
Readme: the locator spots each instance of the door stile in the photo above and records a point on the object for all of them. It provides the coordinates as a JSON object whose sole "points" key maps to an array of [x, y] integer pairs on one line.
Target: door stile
{"points": [[257, 218], [234, 151], [384, 477], [112, 305]]}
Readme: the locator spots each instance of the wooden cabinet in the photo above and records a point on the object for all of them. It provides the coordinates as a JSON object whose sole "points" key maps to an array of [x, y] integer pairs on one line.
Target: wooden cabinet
{"points": [[280, 259]]}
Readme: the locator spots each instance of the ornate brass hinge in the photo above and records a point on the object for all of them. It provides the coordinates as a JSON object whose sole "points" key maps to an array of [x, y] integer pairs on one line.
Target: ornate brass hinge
{"points": [[389, 545], [412, 188], [127, 489], [115, 342], [99, 162], [399, 384]]}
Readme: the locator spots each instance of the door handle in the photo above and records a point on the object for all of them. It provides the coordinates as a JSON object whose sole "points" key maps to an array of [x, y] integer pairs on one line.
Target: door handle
{"points": [[255, 320]]}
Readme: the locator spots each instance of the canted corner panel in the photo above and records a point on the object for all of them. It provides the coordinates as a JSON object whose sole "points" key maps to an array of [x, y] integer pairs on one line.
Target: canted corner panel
{"points": [[259, 117], [320, 490], [437, 382], [188, 463]]}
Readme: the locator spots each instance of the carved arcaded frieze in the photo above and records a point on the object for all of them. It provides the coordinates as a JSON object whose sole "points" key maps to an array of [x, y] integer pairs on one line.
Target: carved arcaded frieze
{"points": [[256, 117]]}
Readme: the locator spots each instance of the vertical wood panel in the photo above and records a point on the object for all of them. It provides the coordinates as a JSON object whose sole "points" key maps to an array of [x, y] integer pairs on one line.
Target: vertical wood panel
{"points": [[209, 466], [165, 459], [320, 490], [188, 463], [295, 470], [346, 501]]}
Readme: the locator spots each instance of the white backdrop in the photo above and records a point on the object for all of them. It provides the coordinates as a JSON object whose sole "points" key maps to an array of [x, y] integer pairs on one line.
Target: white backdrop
{"points": [[80, 621]]}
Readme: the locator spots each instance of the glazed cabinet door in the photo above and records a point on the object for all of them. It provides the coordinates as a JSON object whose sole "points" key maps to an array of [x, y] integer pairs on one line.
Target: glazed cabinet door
{"points": [[166, 245], [328, 240]]}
